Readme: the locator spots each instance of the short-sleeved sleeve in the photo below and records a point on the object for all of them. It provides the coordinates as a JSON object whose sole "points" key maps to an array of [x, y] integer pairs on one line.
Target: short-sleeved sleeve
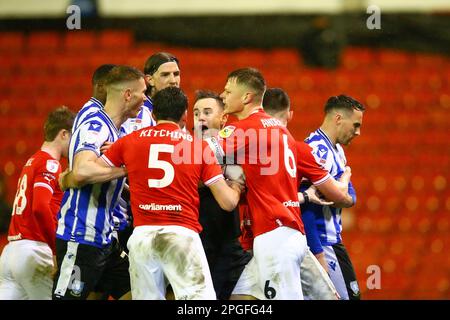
{"points": [[322, 155], [309, 166], [93, 135], [46, 174], [114, 155]]}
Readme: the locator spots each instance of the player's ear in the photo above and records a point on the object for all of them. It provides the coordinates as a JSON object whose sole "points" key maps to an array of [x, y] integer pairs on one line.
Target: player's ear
{"points": [[223, 119], [149, 81], [127, 94], [290, 115], [183, 120], [338, 117], [247, 97], [64, 134]]}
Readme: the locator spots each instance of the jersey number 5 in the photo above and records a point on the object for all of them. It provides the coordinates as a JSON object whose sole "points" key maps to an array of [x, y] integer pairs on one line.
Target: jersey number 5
{"points": [[20, 201], [155, 163]]}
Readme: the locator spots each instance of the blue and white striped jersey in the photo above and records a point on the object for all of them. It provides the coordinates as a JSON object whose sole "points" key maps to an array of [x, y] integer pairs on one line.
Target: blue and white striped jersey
{"points": [[144, 119], [325, 222], [86, 214], [93, 105]]}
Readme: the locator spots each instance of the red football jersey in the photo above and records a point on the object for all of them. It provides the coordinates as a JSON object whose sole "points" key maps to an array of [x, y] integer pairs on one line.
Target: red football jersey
{"points": [[307, 165], [165, 166], [246, 237], [268, 155], [37, 200]]}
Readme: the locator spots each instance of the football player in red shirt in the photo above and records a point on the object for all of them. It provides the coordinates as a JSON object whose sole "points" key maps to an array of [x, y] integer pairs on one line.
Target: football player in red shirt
{"points": [[27, 261], [268, 155], [165, 165]]}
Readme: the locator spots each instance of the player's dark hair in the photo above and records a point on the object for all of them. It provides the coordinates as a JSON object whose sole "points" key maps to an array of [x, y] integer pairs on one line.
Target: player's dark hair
{"points": [[156, 60], [275, 100], [57, 120], [101, 72], [169, 104], [205, 94], [120, 74], [343, 102], [250, 77]]}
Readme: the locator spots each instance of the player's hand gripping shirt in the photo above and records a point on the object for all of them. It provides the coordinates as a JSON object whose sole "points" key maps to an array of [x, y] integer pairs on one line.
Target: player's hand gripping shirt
{"points": [[37, 200], [164, 166]]}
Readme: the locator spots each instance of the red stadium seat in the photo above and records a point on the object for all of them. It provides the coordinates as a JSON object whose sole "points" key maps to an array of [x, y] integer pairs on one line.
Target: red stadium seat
{"points": [[11, 41], [45, 41], [80, 41], [113, 39]]}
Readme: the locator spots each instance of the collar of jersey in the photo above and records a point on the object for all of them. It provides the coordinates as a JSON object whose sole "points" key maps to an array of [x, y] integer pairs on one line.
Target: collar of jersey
{"points": [[327, 140], [97, 102], [109, 120]]}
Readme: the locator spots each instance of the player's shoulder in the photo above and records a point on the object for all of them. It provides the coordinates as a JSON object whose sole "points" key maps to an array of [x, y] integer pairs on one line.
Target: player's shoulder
{"points": [[228, 130], [315, 140], [303, 147], [95, 122], [92, 105], [43, 161]]}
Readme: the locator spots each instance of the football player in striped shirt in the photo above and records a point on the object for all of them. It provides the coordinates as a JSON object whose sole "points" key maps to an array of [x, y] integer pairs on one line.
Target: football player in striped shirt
{"points": [[88, 257], [342, 123], [27, 263]]}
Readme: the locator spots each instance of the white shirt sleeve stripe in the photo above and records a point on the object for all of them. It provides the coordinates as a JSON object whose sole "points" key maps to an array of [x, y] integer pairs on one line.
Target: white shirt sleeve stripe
{"points": [[107, 161], [316, 183], [42, 184], [214, 179]]}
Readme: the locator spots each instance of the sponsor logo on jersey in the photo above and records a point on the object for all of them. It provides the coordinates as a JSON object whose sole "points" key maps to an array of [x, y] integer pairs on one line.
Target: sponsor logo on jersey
{"points": [[332, 265], [290, 203], [227, 131], [321, 154], [161, 207], [14, 238], [52, 166], [95, 126], [136, 124]]}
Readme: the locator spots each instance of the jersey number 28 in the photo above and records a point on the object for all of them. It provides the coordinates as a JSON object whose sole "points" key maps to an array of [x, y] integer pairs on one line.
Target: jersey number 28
{"points": [[20, 201]]}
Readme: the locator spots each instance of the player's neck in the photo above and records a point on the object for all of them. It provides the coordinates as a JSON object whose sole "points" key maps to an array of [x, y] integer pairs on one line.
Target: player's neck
{"points": [[115, 114], [167, 121], [247, 111], [329, 131], [52, 149]]}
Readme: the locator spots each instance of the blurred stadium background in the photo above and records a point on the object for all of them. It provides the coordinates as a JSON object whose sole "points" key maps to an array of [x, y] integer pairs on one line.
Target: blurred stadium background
{"points": [[312, 49]]}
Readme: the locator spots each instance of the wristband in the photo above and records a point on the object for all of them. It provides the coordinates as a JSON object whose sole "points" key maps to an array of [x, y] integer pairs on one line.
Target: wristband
{"points": [[306, 197]]}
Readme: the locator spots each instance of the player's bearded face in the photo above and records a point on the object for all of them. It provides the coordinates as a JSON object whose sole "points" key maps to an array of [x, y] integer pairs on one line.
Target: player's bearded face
{"points": [[232, 97]]}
